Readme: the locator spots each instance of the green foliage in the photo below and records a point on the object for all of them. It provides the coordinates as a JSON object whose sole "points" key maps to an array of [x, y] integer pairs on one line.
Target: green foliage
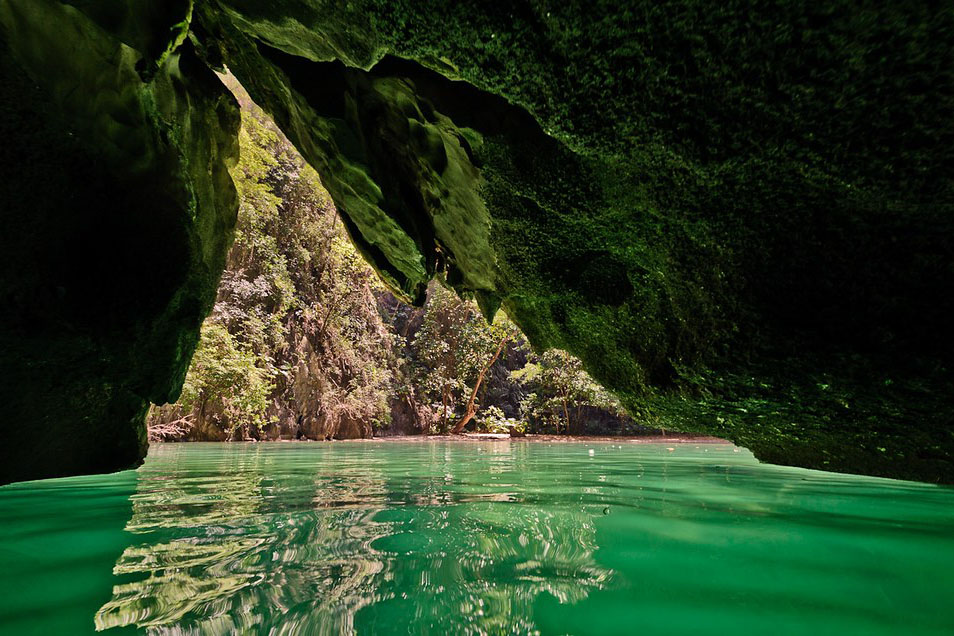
{"points": [[454, 344], [559, 388], [225, 380], [492, 420]]}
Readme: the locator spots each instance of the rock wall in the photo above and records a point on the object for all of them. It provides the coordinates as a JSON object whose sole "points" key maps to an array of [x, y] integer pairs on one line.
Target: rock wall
{"points": [[116, 210], [739, 217]]}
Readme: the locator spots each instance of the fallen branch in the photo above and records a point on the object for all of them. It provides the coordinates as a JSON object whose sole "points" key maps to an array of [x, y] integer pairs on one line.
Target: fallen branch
{"points": [[170, 430]]}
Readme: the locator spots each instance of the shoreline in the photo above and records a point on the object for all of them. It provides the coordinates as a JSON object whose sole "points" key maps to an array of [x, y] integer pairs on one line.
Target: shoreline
{"points": [[680, 438]]}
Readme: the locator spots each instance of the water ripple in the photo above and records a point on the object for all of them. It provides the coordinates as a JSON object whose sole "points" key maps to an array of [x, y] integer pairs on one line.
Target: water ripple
{"points": [[516, 538]]}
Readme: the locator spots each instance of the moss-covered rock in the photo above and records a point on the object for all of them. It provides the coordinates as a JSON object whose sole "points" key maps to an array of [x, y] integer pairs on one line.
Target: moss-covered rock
{"points": [[720, 209], [117, 209], [739, 216]]}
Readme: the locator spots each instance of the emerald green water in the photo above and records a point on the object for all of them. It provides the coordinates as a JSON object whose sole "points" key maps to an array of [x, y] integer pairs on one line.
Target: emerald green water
{"points": [[495, 537]]}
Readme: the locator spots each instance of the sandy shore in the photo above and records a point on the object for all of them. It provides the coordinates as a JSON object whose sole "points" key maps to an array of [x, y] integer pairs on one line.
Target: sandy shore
{"points": [[676, 438]]}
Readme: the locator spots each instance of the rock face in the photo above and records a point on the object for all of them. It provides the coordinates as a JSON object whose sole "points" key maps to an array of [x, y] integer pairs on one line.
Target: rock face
{"points": [[116, 210], [311, 418], [739, 217]]}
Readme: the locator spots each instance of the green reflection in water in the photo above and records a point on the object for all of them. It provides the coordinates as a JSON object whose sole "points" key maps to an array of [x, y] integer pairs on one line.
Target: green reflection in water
{"points": [[301, 537], [480, 538], [59, 539]]}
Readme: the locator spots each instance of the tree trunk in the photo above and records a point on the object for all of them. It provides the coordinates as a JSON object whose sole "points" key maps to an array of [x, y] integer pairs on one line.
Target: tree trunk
{"points": [[444, 414], [566, 414], [472, 402]]}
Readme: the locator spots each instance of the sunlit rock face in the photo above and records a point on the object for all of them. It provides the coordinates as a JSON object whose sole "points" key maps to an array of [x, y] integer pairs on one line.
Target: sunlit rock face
{"points": [[116, 210], [738, 217]]}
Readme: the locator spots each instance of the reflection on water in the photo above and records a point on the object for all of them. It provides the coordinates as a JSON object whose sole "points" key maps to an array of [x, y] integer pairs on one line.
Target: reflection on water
{"points": [[474, 538], [59, 539], [246, 538]]}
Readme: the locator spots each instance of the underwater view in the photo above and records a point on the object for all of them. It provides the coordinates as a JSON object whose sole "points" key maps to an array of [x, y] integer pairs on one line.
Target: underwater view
{"points": [[469, 537]]}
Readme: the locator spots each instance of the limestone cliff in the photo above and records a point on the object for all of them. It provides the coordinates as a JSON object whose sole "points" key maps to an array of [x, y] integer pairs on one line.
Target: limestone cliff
{"points": [[739, 216]]}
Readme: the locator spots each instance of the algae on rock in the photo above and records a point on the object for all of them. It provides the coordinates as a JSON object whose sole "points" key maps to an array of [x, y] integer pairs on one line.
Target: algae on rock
{"points": [[720, 210], [117, 210]]}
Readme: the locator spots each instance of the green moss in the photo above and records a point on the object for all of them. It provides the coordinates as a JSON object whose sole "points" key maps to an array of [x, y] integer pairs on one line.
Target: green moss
{"points": [[687, 197], [117, 212]]}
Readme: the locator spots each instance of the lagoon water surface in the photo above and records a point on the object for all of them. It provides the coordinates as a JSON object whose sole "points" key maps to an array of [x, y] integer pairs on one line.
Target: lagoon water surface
{"points": [[474, 538]]}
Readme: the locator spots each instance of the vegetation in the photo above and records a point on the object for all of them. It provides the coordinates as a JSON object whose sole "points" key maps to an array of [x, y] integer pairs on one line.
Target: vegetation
{"points": [[453, 351], [304, 342], [295, 344], [561, 391]]}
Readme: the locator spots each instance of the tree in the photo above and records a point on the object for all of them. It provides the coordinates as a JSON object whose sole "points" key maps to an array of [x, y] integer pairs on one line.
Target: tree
{"points": [[504, 334], [226, 384], [559, 388], [453, 351]]}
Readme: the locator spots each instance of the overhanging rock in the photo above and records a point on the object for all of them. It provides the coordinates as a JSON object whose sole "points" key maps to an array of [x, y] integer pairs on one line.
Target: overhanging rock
{"points": [[739, 217]]}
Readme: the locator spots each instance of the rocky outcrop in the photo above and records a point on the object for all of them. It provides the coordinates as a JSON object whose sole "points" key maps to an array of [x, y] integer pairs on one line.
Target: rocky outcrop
{"points": [[307, 406], [739, 217], [116, 210], [733, 216], [411, 417]]}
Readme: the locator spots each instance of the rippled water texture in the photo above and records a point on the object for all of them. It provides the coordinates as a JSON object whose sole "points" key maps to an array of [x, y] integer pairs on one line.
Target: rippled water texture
{"points": [[495, 537]]}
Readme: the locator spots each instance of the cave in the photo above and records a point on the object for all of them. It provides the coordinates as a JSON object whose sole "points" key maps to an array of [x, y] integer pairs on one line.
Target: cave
{"points": [[738, 217]]}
